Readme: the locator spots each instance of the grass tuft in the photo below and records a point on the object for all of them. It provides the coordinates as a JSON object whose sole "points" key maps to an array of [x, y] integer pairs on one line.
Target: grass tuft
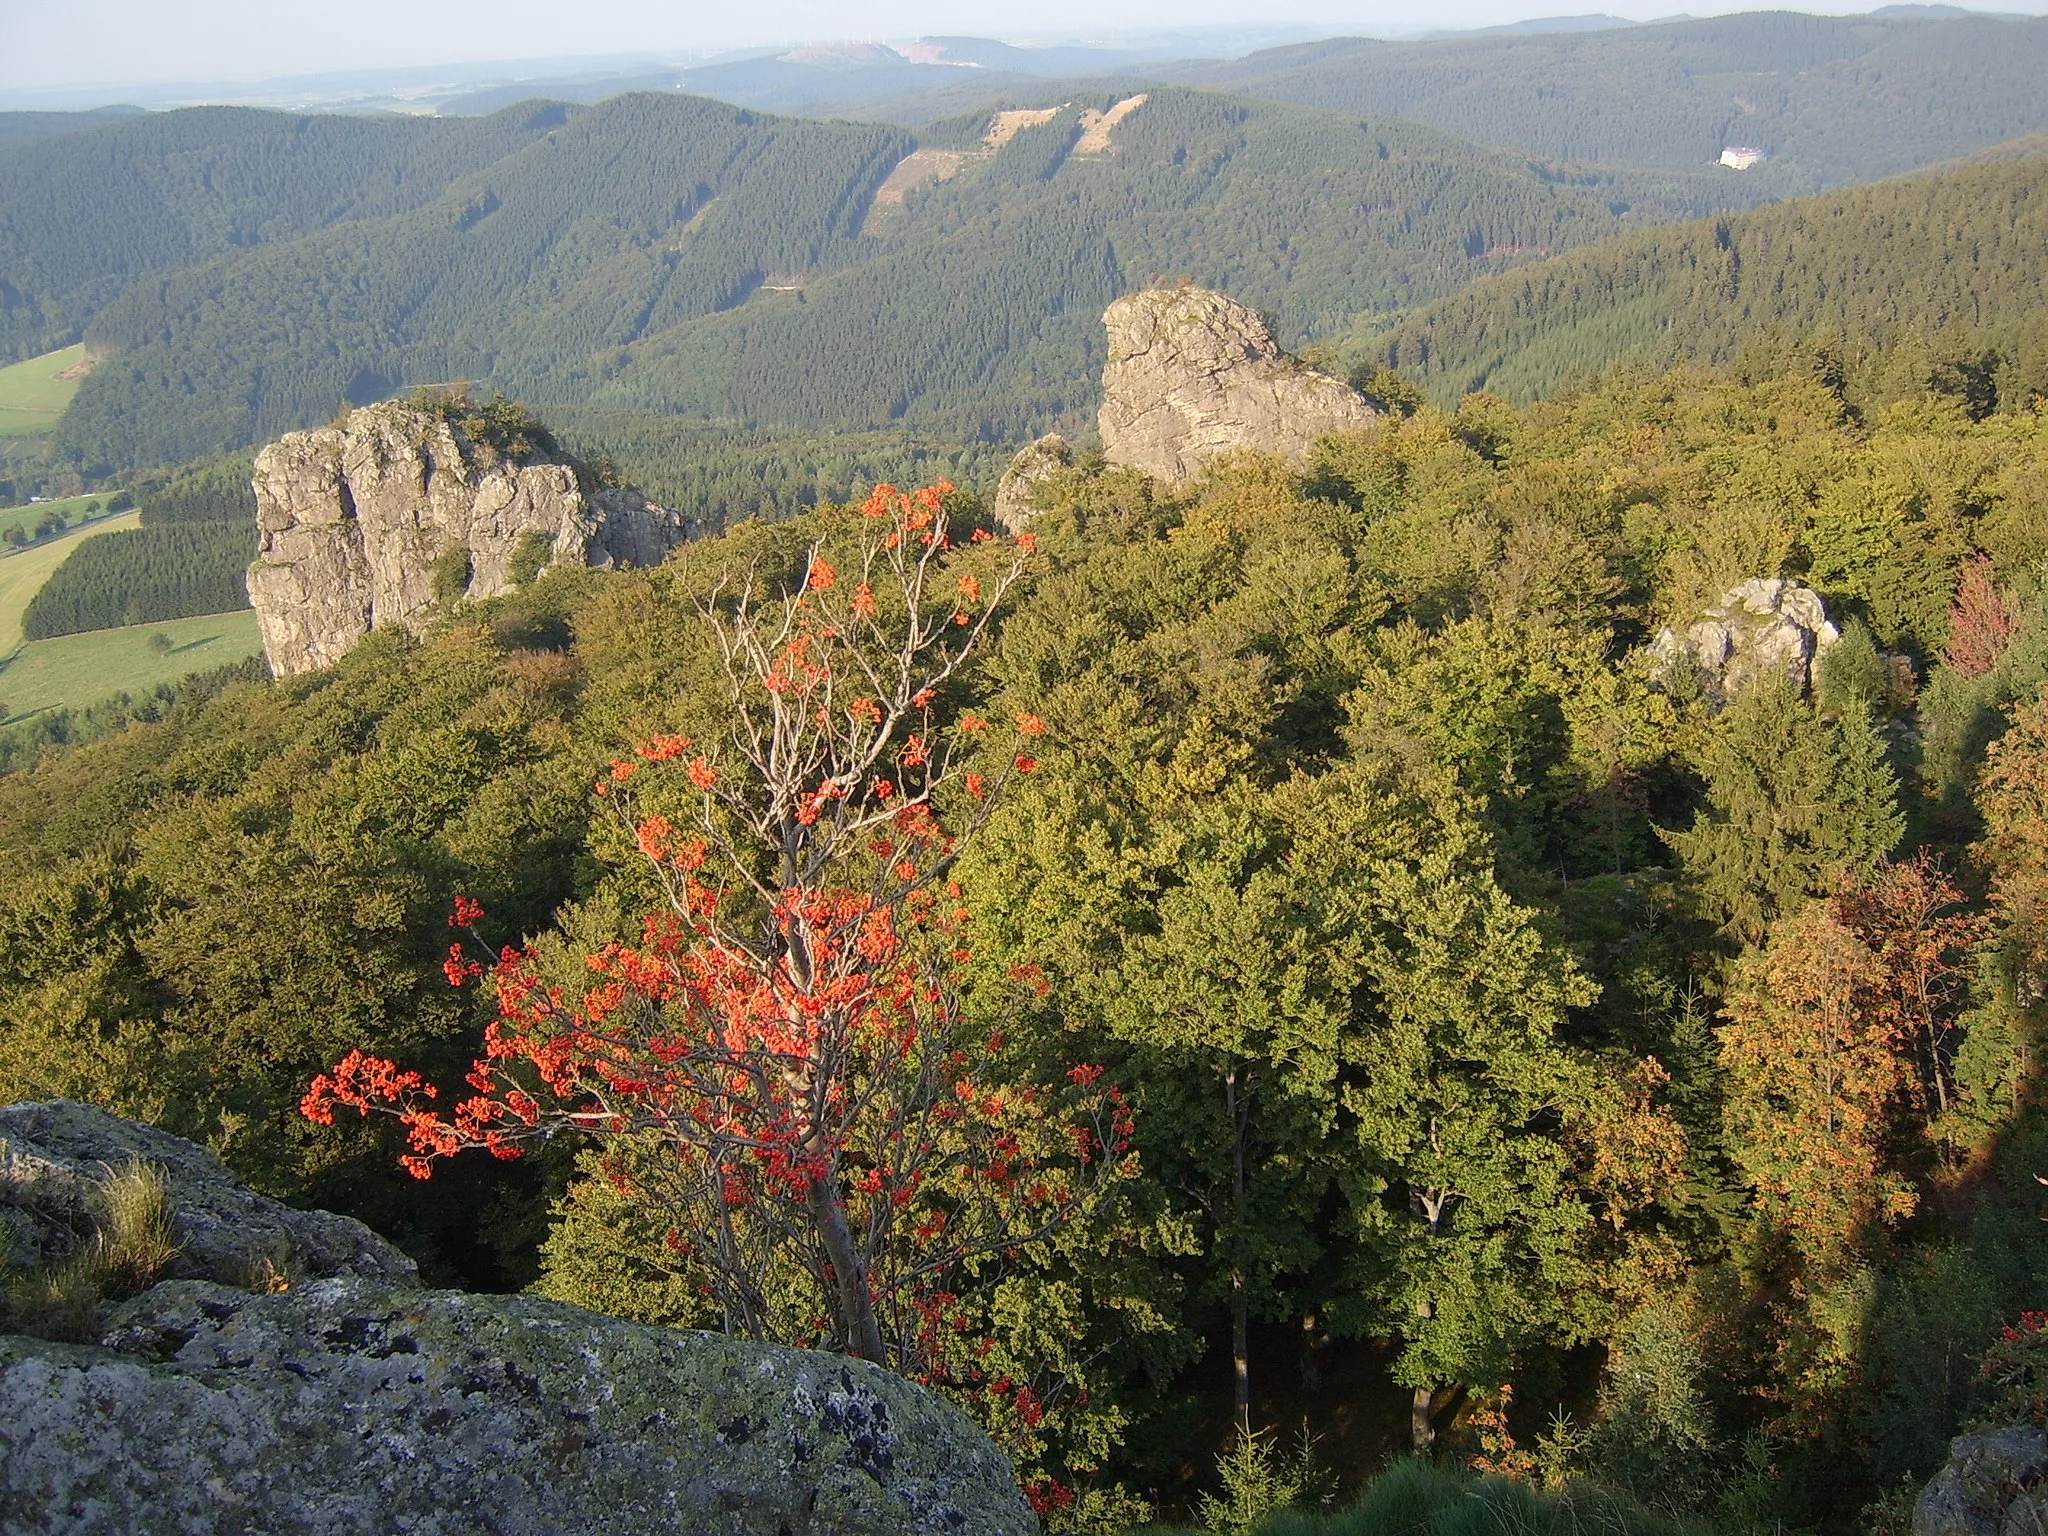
{"points": [[129, 1248], [134, 1243]]}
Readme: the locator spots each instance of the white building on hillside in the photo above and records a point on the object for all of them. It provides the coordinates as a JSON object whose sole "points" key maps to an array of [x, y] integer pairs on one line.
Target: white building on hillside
{"points": [[1740, 157]]}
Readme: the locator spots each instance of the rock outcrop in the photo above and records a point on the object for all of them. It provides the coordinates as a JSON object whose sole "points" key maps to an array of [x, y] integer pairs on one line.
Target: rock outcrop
{"points": [[1995, 1484], [1048, 456], [1192, 374], [359, 1403], [1766, 626], [382, 519], [53, 1155]]}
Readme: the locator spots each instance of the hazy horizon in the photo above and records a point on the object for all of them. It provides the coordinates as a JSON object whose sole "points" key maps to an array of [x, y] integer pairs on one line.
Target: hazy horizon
{"points": [[103, 46]]}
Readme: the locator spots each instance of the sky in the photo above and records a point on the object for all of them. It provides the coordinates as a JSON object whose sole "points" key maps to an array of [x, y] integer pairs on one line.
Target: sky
{"points": [[52, 43]]}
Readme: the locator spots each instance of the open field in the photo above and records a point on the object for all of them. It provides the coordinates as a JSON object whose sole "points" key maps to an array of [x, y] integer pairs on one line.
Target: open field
{"points": [[73, 509], [21, 574], [77, 670], [33, 395]]}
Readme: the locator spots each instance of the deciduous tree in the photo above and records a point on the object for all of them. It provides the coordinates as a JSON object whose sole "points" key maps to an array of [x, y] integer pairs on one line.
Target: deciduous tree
{"points": [[787, 1030]]}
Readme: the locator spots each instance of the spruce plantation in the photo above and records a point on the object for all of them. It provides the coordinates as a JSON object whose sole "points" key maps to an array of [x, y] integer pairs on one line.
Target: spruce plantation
{"points": [[1487, 976]]}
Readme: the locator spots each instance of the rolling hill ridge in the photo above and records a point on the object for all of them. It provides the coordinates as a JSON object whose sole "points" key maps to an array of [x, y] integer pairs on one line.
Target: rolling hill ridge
{"points": [[1833, 99], [671, 253], [1957, 249]]}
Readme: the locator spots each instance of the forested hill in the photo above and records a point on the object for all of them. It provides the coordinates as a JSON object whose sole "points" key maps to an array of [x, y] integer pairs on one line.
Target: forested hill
{"points": [[1958, 249], [86, 214], [979, 315], [618, 220], [19, 127], [673, 253], [1834, 99]]}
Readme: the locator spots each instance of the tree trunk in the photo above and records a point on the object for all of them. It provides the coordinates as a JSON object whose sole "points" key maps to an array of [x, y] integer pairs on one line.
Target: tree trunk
{"points": [[1312, 1342], [1422, 1405], [1240, 1347], [856, 1308], [1422, 1418], [1240, 1304]]}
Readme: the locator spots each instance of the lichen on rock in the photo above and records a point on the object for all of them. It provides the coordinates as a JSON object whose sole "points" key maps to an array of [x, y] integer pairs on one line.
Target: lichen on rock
{"points": [[1193, 375], [1995, 1484], [356, 1404]]}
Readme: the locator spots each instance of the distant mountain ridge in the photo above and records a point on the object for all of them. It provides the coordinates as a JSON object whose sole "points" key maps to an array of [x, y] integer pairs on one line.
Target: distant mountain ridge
{"points": [[1836, 100], [671, 253]]}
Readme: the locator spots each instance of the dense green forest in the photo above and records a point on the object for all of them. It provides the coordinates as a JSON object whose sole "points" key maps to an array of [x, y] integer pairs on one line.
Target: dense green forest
{"points": [[244, 272], [144, 575], [716, 476], [18, 127], [216, 491], [1363, 846], [980, 316], [1834, 99], [86, 216], [1954, 252], [623, 218], [733, 271]]}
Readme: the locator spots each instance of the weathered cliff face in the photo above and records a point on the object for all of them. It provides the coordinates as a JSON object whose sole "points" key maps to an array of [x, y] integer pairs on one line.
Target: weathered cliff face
{"points": [[362, 524], [359, 1403], [1767, 626], [1192, 374], [1048, 456]]}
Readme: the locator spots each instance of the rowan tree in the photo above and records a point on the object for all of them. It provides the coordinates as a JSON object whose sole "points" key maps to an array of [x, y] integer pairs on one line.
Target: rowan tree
{"points": [[840, 1156]]}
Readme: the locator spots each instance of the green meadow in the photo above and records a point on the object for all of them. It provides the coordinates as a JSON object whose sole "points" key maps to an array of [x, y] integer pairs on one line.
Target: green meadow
{"points": [[77, 670], [35, 393], [23, 572], [73, 509]]}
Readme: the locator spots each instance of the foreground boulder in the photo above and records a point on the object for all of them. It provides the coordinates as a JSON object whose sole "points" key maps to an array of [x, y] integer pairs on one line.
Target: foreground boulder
{"points": [[1995, 1484], [354, 1404], [1192, 375], [383, 519], [1767, 626]]}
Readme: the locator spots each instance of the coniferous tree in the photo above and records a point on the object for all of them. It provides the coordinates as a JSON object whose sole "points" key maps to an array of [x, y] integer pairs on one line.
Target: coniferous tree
{"points": [[1794, 805]]}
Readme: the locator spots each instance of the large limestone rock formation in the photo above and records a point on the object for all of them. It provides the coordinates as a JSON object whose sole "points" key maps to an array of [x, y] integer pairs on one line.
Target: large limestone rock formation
{"points": [[1048, 456], [359, 523], [1765, 626], [360, 1404], [1995, 1484], [1192, 374]]}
